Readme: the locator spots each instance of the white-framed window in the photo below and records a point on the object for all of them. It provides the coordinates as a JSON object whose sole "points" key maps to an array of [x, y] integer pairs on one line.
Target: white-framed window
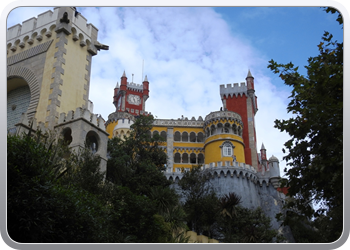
{"points": [[227, 149]]}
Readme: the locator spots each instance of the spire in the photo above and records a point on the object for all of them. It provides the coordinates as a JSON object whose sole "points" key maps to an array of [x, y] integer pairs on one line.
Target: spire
{"points": [[146, 80], [117, 86], [263, 147], [124, 74], [249, 74]]}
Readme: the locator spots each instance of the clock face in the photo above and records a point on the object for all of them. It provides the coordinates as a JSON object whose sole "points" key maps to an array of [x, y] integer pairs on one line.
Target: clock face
{"points": [[134, 99]]}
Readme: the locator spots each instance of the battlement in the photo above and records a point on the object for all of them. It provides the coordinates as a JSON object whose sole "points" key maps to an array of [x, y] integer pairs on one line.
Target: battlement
{"points": [[218, 115], [81, 113], [45, 24], [235, 90], [135, 86]]}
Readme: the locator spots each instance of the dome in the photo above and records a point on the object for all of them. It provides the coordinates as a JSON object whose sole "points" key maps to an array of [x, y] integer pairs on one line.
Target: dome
{"points": [[123, 124], [273, 158]]}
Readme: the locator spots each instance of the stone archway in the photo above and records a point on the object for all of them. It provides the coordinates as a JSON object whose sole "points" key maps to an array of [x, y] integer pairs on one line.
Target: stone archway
{"points": [[30, 78]]}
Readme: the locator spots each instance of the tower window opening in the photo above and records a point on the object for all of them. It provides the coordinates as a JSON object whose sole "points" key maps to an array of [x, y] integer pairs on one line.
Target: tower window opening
{"points": [[220, 128], [212, 130], [227, 128], [92, 141]]}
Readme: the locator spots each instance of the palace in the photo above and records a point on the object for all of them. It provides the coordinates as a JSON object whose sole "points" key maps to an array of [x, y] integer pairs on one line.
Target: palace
{"points": [[222, 138], [48, 81]]}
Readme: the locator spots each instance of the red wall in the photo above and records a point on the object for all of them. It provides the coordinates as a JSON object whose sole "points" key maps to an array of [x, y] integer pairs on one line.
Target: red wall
{"points": [[239, 105]]}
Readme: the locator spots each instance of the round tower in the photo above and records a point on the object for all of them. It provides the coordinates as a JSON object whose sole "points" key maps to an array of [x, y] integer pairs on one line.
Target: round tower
{"points": [[223, 138]]}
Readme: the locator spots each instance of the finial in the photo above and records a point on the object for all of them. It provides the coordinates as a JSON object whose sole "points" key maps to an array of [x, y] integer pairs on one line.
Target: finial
{"points": [[146, 80]]}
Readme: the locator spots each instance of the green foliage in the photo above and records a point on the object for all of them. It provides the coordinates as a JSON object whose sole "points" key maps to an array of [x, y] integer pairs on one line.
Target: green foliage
{"points": [[40, 207], [148, 209], [137, 161], [201, 202], [315, 150], [247, 226]]}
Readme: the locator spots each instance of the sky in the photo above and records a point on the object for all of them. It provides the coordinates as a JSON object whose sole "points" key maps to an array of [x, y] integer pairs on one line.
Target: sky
{"points": [[188, 52]]}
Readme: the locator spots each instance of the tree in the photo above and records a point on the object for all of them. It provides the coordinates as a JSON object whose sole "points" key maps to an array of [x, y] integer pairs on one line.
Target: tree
{"points": [[200, 202], [146, 208], [41, 207], [315, 150], [137, 161]]}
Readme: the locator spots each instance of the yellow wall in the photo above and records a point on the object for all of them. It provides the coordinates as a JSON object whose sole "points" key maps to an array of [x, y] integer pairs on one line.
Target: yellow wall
{"points": [[110, 127], [213, 151], [73, 90], [45, 91]]}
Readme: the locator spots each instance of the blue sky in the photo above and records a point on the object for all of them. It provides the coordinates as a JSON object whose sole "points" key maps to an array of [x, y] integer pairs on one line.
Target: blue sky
{"points": [[189, 52]]}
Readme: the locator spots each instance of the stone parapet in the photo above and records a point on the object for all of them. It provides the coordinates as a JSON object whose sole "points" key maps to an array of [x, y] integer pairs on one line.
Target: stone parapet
{"points": [[180, 122], [218, 115]]}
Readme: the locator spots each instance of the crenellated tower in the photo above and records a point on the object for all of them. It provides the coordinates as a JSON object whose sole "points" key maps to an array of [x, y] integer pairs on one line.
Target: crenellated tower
{"points": [[241, 99], [129, 100], [131, 97], [48, 78]]}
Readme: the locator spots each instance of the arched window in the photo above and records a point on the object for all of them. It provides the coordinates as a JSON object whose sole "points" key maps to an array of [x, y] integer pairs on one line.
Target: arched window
{"points": [[200, 137], [200, 158], [177, 136], [192, 137], [184, 136], [67, 136], [207, 133], [193, 158], [227, 149], [227, 128], [234, 127], [220, 128], [92, 141], [184, 158], [163, 134], [239, 130], [177, 158], [212, 130], [155, 133]]}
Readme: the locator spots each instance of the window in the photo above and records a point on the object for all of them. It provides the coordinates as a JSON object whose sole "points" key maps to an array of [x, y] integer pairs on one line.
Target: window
{"points": [[227, 149], [177, 136], [184, 136]]}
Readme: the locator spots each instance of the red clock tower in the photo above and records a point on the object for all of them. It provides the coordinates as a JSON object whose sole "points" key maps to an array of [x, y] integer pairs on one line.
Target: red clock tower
{"points": [[131, 97]]}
